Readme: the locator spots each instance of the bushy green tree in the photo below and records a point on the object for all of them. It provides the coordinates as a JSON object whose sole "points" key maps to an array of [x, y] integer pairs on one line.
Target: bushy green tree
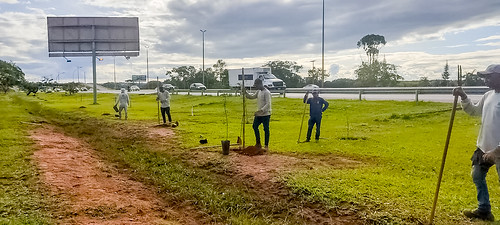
{"points": [[371, 45], [472, 79], [287, 71], [340, 83], [181, 76], [221, 74], [377, 74], [10, 75], [424, 82], [71, 88], [446, 75], [30, 87], [313, 76]]}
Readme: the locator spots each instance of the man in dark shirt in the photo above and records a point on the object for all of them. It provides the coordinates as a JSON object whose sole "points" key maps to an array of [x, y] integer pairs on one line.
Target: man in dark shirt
{"points": [[317, 106]]}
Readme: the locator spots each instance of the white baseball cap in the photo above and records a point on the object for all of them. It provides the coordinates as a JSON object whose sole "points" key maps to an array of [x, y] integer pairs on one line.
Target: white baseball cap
{"points": [[491, 69]]}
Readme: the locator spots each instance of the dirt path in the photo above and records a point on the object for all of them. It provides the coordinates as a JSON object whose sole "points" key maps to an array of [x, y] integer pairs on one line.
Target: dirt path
{"points": [[92, 192]]}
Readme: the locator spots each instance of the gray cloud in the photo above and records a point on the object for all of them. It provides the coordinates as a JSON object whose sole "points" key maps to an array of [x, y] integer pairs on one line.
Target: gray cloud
{"points": [[256, 30]]}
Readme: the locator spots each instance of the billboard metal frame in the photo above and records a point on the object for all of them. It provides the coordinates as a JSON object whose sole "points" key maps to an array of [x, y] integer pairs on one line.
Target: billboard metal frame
{"points": [[93, 37]]}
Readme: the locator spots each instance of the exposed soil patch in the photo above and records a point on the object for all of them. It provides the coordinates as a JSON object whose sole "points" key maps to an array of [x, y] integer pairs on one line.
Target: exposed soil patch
{"points": [[268, 167], [262, 174], [91, 192]]}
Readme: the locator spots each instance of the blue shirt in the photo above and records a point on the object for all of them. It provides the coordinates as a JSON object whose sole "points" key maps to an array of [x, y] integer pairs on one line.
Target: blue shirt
{"points": [[318, 106]]}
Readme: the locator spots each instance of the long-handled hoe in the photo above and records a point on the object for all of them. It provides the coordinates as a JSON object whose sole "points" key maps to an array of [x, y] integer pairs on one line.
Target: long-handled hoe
{"points": [[158, 102], [452, 118]]}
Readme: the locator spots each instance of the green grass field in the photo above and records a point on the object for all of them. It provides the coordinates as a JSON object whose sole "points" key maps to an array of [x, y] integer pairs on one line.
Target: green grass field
{"points": [[400, 145], [22, 199]]}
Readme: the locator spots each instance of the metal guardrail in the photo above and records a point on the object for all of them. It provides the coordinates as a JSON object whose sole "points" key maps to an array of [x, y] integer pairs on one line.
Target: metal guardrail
{"points": [[391, 90], [218, 91], [359, 91]]}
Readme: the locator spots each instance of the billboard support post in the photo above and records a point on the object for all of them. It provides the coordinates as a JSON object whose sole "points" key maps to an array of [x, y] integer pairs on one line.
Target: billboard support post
{"points": [[94, 74]]}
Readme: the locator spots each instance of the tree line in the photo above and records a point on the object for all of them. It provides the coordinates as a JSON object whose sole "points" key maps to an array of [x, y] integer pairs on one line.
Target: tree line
{"points": [[372, 72]]}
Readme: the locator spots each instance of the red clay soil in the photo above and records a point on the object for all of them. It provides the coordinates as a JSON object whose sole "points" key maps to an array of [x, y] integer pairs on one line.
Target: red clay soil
{"points": [[91, 192]]}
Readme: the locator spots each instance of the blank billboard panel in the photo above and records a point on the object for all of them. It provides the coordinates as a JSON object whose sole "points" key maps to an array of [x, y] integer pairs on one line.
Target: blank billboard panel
{"points": [[75, 36]]}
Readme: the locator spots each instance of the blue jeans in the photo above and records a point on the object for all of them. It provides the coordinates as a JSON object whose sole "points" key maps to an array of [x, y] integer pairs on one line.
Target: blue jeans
{"points": [[166, 111], [479, 170], [314, 120], [264, 120]]}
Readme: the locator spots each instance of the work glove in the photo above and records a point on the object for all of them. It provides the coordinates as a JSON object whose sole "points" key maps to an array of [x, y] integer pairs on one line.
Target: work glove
{"points": [[458, 91], [492, 156]]}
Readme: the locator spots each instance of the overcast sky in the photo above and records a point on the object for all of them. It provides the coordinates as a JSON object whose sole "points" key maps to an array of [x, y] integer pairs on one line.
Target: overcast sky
{"points": [[421, 35]]}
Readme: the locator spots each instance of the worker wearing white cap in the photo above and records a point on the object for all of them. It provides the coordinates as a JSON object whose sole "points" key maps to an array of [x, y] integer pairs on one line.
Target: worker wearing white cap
{"points": [[488, 141], [317, 106]]}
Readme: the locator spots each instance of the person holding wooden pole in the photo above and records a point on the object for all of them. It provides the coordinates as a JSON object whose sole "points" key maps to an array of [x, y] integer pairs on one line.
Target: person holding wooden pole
{"points": [[263, 113], [317, 106], [487, 153], [164, 98]]}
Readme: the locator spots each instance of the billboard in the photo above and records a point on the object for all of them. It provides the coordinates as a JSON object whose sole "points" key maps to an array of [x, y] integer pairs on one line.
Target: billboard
{"points": [[80, 36], [138, 78]]}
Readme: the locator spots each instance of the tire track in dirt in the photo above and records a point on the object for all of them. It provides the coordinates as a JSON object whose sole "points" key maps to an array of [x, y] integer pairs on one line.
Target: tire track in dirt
{"points": [[92, 192]]}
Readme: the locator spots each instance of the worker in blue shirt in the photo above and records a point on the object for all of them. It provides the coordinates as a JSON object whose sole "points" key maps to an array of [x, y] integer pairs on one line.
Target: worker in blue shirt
{"points": [[317, 106]]}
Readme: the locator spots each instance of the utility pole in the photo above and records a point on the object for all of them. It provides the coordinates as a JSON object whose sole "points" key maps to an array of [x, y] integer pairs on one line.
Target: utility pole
{"points": [[114, 70], [147, 64], [203, 65], [323, 48]]}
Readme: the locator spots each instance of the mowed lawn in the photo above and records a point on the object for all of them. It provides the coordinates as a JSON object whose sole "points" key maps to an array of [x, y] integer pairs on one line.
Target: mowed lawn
{"points": [[398, 145]]}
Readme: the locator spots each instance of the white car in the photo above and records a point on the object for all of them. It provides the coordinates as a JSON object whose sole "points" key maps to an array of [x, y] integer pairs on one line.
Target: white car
{"points": [[134, 88], [197, 86], [169, 87], [311, 87]]}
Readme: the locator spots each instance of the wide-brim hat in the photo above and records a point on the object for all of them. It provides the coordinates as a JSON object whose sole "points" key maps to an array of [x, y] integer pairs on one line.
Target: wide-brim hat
{"points": [[491, 69]]}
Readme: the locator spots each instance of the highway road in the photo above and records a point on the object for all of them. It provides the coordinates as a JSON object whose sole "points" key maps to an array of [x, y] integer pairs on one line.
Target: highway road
{"points": [[446, 98]]}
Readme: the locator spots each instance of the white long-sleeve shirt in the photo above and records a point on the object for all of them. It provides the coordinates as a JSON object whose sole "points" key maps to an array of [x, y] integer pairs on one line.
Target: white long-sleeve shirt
{"points": [[164, 98], [489, 110], [263, 102], [123, 99]]}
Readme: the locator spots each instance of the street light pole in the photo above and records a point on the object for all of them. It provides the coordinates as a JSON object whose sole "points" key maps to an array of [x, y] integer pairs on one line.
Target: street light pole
{"points": [[114, 70], [78, 68], [323, 48], [57, 79], [203, 65], [147, 63]]}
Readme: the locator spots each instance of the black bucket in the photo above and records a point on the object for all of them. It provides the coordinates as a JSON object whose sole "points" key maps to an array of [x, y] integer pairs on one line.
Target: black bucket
{"points": [[225, 147]]}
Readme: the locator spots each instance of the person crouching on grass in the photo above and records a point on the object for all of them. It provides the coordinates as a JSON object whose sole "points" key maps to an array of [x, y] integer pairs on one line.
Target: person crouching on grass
{"points": [[488, 141], [263, 113], [317, 106]]}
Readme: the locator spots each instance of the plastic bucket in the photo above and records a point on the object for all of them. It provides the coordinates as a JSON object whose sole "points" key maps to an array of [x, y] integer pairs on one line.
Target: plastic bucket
{"points": [[225, 147]]}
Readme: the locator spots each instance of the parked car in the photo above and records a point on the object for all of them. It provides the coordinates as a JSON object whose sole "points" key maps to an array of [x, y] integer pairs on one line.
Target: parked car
{"points": [[311, 87], [134, 88], [169, 87], [197, 86]]}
